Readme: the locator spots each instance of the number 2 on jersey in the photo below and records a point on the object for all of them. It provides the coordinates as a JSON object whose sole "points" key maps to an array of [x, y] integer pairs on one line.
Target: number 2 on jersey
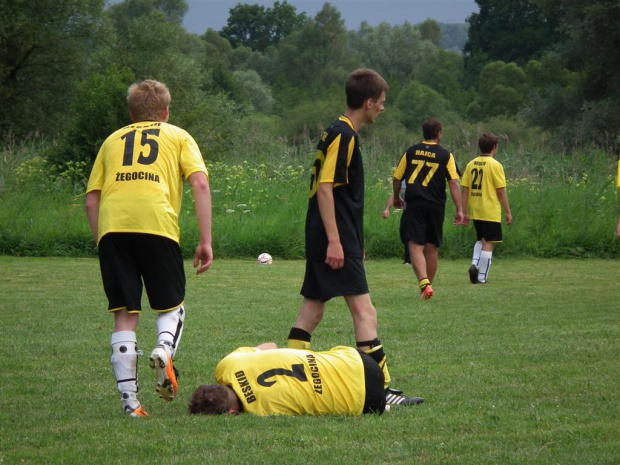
{"points": [[476, 182], [419, 164], [297, 372], [130, 142]]}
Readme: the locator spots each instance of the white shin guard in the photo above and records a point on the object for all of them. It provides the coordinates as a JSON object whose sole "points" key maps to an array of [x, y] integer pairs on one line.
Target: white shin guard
{"points": [[125, 362], [170, 328]]}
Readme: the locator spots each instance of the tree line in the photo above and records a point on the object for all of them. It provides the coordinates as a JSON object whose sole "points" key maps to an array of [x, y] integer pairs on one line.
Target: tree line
{"points": [[273, 73]]}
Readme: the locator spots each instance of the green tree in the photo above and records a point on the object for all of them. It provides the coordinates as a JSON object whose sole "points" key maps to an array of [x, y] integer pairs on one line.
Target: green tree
{"points": [[512, 30], [124, 14], [396, 52], [44, 47], [317, 55], [430, 30], [502, 88], [418, 102], [257, 27]]}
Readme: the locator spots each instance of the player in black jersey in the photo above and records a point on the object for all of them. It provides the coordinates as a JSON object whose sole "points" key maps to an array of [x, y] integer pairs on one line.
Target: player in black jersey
{"points": [[334, 226], [425, 167]]}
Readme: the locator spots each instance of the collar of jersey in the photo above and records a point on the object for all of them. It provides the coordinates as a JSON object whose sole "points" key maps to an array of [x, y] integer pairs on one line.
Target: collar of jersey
{"points": [[429, 142], [347, 120]]}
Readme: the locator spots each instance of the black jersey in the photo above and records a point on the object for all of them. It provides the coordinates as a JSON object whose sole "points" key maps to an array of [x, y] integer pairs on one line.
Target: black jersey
{"points": [[338, 160], [425, 168]]}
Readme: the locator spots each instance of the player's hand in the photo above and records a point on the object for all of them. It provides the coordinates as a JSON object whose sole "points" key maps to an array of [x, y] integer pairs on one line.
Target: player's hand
{"points": [[508, 218], [399, 203], [386, 213], [459, 218], [203, 257], [335, 256], [465, 221]]}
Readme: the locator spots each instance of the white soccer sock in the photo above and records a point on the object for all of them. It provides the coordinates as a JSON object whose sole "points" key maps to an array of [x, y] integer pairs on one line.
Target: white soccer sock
{"points": [[485, 265], [125, 364], [475, 259], [170, 328]]}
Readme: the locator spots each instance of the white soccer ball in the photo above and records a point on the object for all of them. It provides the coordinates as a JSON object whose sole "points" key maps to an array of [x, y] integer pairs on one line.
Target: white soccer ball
{"points": [[265, 259]]}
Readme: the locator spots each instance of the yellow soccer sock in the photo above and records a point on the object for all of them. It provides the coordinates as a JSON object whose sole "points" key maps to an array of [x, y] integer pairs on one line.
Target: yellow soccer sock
{"points": [[423, 283], [298, 339]]}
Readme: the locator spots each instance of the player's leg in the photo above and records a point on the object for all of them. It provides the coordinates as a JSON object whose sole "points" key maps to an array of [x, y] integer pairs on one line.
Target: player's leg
{"points": [[309, 316], [431, 255], [491, 233], [475, 258], [123, 288], [164, 280], [485, 261], [125, 361], [169, 330], [418, 263]]}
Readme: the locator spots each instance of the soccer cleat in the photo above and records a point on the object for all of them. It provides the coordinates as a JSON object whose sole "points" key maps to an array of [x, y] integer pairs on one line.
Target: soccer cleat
{"points": [[136, 412], [395, 397], [473, 274], [161, 362], [427, 292]]}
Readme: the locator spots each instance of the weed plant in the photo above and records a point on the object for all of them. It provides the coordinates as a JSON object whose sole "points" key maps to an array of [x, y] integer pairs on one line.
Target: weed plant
{"points": [[564, 204]]}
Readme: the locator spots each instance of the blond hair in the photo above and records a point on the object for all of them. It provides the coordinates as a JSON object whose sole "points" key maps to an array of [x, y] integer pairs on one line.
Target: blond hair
{"points": [[147, 100]]}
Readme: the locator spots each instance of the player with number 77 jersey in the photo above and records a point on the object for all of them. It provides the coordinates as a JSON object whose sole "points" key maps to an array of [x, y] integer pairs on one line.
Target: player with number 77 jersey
{"points": [[425, 167]]}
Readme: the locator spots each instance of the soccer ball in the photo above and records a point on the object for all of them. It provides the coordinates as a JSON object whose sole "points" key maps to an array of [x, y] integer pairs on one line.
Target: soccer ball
{"points": [[265, 259]]}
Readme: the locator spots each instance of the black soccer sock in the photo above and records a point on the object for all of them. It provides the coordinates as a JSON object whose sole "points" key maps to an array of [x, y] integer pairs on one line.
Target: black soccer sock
{"points": [[378, 355], [298, 339]]}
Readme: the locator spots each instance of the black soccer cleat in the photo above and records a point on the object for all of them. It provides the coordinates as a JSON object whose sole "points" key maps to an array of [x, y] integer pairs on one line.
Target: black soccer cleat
{"points": [[473, 274], [395, 397]]}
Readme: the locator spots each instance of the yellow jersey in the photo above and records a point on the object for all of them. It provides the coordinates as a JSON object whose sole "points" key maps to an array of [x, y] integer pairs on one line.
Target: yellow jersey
{"points": [[139, 170], [295, 382], [483, 176]]}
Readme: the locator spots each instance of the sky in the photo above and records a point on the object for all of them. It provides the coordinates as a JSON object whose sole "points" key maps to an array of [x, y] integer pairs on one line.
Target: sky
{"points": [[205, 14]]}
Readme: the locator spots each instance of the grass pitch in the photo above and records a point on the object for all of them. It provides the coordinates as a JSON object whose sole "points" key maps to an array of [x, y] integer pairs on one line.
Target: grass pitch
{"points": [[524, 370]]}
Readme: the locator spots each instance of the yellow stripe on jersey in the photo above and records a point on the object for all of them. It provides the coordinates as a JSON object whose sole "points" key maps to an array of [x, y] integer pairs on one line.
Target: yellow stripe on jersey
{"points": [[295, 382], [139, 170], [328, 171]]}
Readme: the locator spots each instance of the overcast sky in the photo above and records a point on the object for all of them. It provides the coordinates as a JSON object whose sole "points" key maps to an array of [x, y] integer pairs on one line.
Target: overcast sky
{"points": [[204, 14]]}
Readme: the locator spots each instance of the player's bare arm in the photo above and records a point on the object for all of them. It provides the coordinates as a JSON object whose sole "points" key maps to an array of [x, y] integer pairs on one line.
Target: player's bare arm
{"points": [[335, 253], [455, 193], [203, 257], [502, 195], [464, 201], [93, 200], [396, 186]]}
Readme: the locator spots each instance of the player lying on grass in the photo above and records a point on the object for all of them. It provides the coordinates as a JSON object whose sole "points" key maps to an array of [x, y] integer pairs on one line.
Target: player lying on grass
{"points": [[265, 380]]}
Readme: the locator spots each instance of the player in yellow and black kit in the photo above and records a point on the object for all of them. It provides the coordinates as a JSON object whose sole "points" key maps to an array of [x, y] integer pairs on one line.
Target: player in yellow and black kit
{"points": [[425, 167], [133, 201], [484, 195], [335, 229], [265, 380]]}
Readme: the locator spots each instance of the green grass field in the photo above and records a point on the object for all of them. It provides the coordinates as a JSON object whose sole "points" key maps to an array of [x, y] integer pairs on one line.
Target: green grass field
{"points": [[524, 370]]}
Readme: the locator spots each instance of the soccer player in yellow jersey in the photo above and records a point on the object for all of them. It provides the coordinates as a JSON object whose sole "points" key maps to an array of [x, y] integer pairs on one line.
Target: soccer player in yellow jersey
{"points": [[265, 380], [133, 201], [484, 193]]}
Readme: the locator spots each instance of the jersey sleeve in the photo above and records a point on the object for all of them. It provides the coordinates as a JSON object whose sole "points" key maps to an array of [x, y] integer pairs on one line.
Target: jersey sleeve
{"points": [[466, 180], [399, 172], [191, 158], [97, 175], [452, 171], [499, 178], [337, 159]]}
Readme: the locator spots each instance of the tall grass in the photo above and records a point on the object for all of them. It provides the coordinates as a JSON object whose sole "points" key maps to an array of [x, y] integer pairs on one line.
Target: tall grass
{"points": [[564, 204]]}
